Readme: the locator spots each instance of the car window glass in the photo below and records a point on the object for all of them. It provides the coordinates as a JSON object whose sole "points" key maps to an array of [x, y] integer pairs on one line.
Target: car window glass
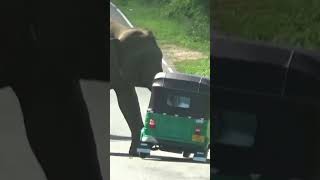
{"points": [[178, 101]]}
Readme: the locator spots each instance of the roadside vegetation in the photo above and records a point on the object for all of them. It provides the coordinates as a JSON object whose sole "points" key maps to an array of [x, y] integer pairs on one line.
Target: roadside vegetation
{"points": [[285, 22], [181, 27]]}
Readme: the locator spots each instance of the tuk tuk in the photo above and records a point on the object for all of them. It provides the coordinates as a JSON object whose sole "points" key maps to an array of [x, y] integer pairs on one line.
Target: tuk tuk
{"points": [[178, 116], [265, 101]]}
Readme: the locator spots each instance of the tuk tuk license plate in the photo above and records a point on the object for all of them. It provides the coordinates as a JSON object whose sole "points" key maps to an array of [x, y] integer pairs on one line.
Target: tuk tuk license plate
{"points": [[198, 138]]}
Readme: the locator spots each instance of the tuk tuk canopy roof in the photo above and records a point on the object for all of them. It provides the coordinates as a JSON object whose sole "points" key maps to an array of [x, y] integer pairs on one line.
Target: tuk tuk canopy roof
{"points": [[190, 90], [182, 82], [263, 68]]}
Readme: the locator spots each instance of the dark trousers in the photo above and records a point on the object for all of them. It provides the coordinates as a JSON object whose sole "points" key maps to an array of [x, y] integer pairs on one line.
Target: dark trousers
{"points": [[58, 128], [45, 47]]}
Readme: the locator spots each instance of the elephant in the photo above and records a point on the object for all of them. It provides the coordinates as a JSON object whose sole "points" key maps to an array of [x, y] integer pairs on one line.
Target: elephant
{"points": [[138, 50], [135, 58]]}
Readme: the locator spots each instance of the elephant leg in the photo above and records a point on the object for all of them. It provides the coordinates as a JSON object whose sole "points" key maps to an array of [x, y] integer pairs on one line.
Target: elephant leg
{"points": [[58, 129], [129, 106]]}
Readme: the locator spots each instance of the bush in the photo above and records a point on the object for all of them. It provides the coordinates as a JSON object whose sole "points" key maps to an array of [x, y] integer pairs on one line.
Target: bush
{"points": [[285, 22], [194, 13]]}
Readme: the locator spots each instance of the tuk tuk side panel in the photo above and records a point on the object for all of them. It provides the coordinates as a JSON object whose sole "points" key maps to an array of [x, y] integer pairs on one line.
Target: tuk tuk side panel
{"points": [[178, 129]]}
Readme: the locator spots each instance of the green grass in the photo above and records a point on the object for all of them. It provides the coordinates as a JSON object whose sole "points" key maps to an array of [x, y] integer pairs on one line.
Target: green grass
{"points": [[167, 31], [199, 67], [286, 22]]}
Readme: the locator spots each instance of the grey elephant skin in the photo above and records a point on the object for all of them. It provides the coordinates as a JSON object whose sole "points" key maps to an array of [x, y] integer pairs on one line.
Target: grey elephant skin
{"points": [[135, 59]]}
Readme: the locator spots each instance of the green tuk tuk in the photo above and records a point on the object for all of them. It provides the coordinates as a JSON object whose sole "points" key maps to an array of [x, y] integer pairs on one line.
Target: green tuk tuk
{"points": [[178, 117]]}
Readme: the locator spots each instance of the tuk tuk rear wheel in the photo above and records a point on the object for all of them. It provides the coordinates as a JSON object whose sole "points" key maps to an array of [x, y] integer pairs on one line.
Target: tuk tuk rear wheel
{"points": [[200, 156], [144, 155], [186, 154]]}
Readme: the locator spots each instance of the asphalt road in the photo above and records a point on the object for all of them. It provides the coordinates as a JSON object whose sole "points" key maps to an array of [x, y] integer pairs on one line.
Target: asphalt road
{"points": [[161, 164]]}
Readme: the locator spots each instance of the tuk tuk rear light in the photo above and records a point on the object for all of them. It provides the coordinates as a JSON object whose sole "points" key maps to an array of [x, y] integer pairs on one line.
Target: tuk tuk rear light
{"points": [[152, 123], [197, 131]]}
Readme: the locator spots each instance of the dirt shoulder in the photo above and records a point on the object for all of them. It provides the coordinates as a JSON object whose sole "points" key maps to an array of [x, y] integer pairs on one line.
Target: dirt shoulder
{"points": [[179, 54]]}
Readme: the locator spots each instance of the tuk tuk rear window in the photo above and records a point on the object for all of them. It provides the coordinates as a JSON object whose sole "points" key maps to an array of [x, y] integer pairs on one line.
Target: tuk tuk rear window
{"points": [[179, 101]]}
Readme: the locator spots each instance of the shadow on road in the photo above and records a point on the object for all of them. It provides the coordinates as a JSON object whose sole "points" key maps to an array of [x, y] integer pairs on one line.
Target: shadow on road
{"points": [[120, 138], [160, 158]]}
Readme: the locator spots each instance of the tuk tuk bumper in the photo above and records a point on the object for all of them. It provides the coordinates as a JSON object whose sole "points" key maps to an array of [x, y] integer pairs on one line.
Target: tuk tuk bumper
{"points": [[172, 145]]}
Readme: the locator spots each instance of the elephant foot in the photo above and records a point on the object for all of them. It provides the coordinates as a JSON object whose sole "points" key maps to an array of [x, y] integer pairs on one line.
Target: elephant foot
{"points": [[133, 149]]}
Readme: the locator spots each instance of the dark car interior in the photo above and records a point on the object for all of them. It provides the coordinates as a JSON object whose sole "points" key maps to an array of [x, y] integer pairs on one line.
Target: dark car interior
{"points": [[265, 109]]}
